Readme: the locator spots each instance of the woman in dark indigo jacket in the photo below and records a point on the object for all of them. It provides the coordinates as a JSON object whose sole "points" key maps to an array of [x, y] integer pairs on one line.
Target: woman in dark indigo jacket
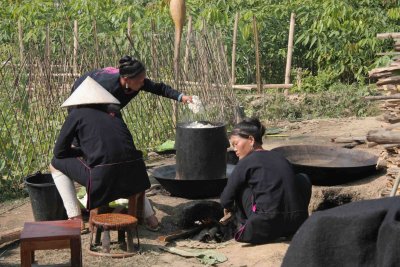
{"points": [[269, 201], [106, 161]]}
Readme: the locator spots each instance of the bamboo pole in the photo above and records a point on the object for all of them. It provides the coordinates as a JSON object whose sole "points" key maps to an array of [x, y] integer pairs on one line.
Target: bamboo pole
{"points": [[264, 86], [289, 51], [154, 56], [75, 59], [382, 97], [21, 42], [258, 72], [129, 29], [96, 44], [187, 48], [235, 29], [48, 49]]}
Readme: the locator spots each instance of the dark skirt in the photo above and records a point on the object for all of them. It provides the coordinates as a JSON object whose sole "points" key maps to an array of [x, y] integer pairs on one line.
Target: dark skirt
{"points": [[107, 182]]}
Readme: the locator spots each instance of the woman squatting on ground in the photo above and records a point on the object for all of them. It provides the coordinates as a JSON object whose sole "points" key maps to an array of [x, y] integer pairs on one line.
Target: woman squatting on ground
{"points": [[268, 199]]}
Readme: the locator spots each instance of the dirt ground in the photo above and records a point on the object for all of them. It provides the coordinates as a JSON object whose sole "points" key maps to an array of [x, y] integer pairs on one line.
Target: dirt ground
{"points": [[13, 214]]}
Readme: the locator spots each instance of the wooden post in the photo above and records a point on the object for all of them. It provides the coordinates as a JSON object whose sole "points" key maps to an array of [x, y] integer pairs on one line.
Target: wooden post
{"points": [[75, 59], [289, 52], [258, 72], [154, 55], [187, 48], [235, 29], [21, 43], [96, 44], [48, 49], [299, 76], [178, 12], [129, 29]]}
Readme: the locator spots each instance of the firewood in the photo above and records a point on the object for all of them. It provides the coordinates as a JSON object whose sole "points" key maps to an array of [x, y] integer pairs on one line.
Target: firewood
{"points": [[390, 80], [384, 137], [373, 72], [388, 35], [382, 97], [10, 236], [390, 146], [350, 139], [381, 74], [180, 234]]}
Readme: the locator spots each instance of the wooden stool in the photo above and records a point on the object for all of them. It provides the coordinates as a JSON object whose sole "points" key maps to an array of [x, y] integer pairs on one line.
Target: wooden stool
{"points": [[47, 235], [135, 209], [114, 221]]}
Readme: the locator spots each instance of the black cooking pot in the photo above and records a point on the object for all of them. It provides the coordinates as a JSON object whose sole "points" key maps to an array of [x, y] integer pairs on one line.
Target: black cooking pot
{"points": [[191, 189], [201, 152], [329, 165]]}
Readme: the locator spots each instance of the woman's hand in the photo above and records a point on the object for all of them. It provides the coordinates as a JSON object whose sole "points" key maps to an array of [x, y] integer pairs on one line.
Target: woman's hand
{"points": [[187, 99], [227, 217]]}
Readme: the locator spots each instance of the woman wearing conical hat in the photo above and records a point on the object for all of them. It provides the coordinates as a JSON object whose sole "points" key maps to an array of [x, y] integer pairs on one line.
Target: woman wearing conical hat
{"points": [[106, 162], [127, 81]]}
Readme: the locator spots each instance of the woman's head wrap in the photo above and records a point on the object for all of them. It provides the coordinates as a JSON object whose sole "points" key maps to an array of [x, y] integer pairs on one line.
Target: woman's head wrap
{"points": [[130, 67]]}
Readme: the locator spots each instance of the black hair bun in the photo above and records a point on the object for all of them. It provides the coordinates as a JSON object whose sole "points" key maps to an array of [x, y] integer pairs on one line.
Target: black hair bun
{"points": [[130, 67], [125, 61], [256, 122]]}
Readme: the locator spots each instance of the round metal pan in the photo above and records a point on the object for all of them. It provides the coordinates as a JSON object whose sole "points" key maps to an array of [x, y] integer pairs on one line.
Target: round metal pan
{"points": [[329, 165], [191, 189]]}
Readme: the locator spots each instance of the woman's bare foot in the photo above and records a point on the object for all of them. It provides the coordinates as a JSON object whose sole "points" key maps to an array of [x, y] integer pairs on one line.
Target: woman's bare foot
{"points": [[152, 224]]}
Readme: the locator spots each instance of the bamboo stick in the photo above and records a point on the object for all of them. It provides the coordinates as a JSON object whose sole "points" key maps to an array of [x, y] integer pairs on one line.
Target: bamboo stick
{"points": [[75, 63], [96, 44], [258, 72], [48, 49], [382, 97], [154, 56], [187, 48], [235, 29], [129, 27], [289, 51], [264, 86], [21, 42]]}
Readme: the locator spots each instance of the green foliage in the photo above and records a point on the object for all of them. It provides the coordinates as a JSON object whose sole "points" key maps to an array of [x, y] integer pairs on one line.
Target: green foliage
{"points": [[333, 37]]}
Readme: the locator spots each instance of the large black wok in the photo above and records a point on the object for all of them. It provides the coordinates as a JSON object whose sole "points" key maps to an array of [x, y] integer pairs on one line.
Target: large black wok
{"points": [[192, 189], [329, 165]]}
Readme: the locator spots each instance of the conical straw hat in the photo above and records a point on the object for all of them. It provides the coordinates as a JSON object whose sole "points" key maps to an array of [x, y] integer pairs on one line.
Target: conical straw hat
{"points": [[90, 92]]}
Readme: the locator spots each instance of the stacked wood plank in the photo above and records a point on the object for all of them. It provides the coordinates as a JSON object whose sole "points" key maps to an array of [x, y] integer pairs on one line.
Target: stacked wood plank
{"points": [[388, 82], [390, 157]]}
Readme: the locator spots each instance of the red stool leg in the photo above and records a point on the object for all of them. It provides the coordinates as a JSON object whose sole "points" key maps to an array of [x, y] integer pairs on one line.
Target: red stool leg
{"points": [[129, 244], [27, 256], [76, 252], [105, 241]]}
